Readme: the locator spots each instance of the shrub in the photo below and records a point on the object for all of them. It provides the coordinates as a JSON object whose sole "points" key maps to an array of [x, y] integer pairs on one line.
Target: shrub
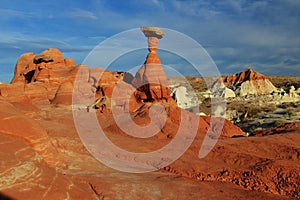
{"points": [[253, 112], [279, 122]]}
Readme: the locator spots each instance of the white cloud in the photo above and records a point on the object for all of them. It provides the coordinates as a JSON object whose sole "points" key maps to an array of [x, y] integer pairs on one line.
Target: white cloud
{"points": [[7, 13], [158, 3], [84, 14]]}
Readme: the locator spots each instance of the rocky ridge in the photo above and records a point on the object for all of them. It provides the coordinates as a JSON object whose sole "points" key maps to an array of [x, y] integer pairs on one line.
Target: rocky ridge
{"points": [[249, 82]]}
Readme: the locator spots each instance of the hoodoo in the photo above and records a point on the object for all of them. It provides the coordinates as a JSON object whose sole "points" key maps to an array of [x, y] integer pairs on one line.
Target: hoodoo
{"points": [[150, 80]]}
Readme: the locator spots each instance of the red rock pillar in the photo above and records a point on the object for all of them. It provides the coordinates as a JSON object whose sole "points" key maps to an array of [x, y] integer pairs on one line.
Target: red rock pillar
{"points": [[150, 80]]}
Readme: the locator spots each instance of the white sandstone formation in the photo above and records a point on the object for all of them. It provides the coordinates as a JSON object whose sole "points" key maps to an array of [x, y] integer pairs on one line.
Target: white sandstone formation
{"points": [[183, 99], [255, 87]]}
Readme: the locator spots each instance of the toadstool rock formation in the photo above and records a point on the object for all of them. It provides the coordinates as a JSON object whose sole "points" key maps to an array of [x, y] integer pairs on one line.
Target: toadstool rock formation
{"points": [[150, 80]]}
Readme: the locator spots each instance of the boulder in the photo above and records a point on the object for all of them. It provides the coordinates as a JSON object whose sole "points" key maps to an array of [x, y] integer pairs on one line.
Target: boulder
{"points": [[229, 93], [151, 31], [292, 92]]}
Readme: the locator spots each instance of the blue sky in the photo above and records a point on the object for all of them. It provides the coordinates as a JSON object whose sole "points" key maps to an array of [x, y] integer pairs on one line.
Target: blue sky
{"points": [[237, 34]]}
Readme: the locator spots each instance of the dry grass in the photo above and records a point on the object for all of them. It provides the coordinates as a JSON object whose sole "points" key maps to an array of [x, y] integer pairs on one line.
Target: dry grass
{"points": [[285, 82]]}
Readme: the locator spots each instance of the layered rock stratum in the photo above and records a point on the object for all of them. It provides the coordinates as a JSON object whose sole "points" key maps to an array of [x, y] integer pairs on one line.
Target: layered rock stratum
{"points": [[249, 82]]}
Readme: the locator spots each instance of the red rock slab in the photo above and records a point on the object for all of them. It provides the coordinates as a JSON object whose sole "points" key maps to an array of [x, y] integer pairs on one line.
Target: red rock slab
{"points": [[24, 175], [15, 124], [64, 94]]}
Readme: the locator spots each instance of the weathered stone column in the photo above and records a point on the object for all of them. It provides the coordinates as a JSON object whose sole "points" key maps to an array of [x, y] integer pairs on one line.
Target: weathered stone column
{"points": [[150, 80]]}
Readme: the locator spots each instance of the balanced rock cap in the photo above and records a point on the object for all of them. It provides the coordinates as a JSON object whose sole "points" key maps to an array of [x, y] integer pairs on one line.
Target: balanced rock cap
{"points": [[151, 31]]}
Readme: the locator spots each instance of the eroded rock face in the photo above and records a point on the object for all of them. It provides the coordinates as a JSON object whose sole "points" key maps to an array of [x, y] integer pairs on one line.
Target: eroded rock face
{"points": [[150, 80], [183, 99], [248, 74], [39, 77], [14, 124], [229, 93], [52, 55], [64, 94], [249, 82], [42, 58], [41, 68], [256, 87], [24, 69], [50, 75]]}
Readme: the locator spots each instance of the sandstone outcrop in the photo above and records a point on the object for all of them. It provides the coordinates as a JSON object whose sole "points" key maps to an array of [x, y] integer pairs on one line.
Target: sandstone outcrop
{"points": [[150, 80], [249, 82], [183, 99], [15, 124], [64, 93], [25, 68], [39, 77], [46, 65]]}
